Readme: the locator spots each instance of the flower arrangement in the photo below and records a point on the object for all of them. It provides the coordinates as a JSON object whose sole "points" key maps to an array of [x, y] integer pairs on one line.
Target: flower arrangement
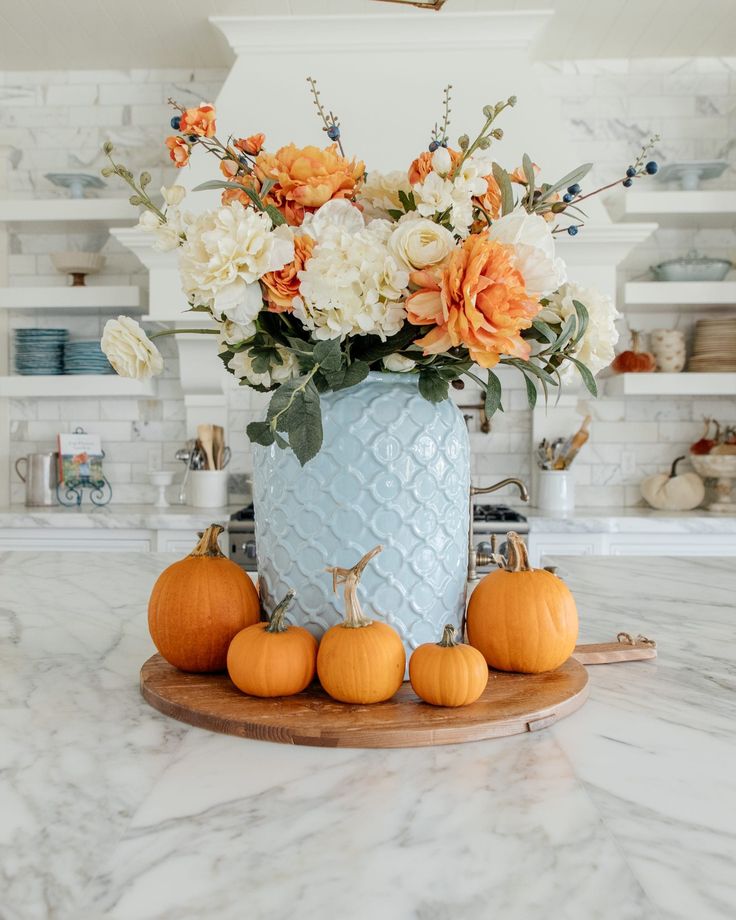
{"points": [[316, 272]]}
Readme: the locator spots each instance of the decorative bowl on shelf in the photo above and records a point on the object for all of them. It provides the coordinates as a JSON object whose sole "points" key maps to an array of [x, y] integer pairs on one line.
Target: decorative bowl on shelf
{"points": [[690, 173], [78, 264], [722, 468], [77, 183], [692, 267]]}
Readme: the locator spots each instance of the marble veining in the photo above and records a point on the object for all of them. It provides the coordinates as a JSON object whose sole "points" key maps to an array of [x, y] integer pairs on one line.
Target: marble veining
{"points": [[114, 517], [624, 811]]}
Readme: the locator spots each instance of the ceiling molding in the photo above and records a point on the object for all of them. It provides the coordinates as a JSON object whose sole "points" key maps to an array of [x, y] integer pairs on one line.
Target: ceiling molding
{"points": [[382, 32]]}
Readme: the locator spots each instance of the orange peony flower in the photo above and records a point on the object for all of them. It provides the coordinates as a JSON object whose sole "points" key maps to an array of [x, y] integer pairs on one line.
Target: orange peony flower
{"points": [[283, 286], [178, 150], [422, 166], [480, 302], [306, 178], [518, 174], [199, 121], [252, 145]]}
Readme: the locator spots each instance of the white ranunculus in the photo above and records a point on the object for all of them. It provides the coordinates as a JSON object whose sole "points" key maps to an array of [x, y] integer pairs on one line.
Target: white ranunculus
{"points": [[352, 285], [129, 349], [379, 194], [534, 244], [596, 348], [242, 366], [333, 214], [228, 249], [240, 302], [418, 242], [173, 195], [235, 333], [441, 161], [398, 363], [433, 195]]}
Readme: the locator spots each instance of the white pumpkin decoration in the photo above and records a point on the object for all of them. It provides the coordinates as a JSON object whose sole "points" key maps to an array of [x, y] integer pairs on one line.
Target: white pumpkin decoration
{"points": [[672, 491]]}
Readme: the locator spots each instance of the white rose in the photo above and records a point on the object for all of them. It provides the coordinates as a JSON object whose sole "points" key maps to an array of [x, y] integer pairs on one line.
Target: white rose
{"points": [[242, 366], [173, 195], [228, 249], [398, 363], [441, 161], [418, 242], [334, 214], [129, 349], [379, 194], [534, 244]]}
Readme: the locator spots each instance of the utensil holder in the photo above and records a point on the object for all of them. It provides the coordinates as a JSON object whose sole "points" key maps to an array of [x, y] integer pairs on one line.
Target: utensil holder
{"points": [[555, 490], [207, 488]]}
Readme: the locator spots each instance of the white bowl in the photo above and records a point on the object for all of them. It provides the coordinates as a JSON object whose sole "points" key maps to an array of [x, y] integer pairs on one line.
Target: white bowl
{"points": [[715, 466], [78, 263]]}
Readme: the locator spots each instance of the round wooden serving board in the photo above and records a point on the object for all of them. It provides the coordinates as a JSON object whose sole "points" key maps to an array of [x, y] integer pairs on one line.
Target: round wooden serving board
{"points": [[511, 704]]}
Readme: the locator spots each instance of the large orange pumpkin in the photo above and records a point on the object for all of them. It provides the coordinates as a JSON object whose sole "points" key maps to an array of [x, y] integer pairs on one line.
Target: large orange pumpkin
{"points": [[199, 604], [359, 660], [273, 659], [522, 619], [447, 673]]}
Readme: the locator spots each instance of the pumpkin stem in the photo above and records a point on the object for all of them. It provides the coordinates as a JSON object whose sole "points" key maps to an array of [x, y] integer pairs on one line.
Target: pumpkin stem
{"points": [[276, 622], [635, 340], [673, 470], [517, 555], [208, 545], [448, 639], [354, 616]]}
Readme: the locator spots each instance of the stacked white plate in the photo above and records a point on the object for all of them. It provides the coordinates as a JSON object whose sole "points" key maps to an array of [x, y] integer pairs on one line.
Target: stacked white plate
{"points": [[714, 346], [85, 357]]}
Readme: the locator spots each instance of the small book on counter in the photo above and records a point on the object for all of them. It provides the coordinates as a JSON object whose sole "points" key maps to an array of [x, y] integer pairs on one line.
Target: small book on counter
{"points": [[80, 457]]}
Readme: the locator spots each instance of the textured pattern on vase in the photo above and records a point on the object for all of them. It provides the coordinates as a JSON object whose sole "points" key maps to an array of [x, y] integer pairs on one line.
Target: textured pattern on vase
{"points": [[394, 469]]}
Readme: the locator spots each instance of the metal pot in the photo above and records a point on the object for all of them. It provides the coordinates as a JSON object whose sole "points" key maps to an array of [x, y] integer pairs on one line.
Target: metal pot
{"points": [[41, 472]]}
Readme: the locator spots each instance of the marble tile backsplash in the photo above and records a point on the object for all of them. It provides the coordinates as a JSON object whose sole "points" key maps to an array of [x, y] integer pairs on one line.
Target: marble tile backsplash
{"points": [[58, 120]]}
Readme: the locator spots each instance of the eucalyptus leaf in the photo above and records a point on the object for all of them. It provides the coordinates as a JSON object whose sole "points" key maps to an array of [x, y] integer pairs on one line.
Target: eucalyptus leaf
{"points": [[570, 179], [528, 167], [216, 183], [277, 218], [566, 332], [531, 391], [545, 330], [504, 184], [493, 395], [583, 318], [588, 378]]}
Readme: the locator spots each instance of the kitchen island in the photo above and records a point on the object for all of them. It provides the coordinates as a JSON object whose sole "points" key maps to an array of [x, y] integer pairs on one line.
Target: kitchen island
{"points": [[624, 810]]}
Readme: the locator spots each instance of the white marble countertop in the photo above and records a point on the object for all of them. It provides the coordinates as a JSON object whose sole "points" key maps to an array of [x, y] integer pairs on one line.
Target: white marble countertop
{"points": [[629, 520], [626, 810], [115, 517]]}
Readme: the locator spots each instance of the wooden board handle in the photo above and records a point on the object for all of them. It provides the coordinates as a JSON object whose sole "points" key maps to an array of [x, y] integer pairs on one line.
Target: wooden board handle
{"points": [[625, 648]]}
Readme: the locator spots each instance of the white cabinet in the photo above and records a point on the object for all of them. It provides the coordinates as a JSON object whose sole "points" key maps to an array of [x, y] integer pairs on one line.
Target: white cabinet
{"points": [[563, 544], [543, 545], [100, 540]]}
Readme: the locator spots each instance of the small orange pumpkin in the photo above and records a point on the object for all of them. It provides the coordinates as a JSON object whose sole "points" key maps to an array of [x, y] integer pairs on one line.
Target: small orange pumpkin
{"points": [[634, 361], [198, 604], [447, 673], [522, 619], [273, 659], [359, 660]]}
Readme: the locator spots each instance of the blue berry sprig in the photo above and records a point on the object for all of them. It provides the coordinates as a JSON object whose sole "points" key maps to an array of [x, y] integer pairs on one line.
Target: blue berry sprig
{"points": [[439, 134], [329, 120]]}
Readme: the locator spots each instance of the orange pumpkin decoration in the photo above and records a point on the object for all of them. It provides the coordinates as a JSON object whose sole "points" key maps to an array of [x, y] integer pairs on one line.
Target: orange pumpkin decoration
{"points": [[273, 659], [198, 604], [634, 361], [522, 619], [359, 660], [447, 673]]}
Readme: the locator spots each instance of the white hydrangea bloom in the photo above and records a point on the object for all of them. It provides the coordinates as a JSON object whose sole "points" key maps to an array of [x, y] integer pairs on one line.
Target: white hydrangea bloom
{"points": [[234, 333], [352, 285], [534, 245], [227, 250], [596, 348], [242, 366], [337, 213]]}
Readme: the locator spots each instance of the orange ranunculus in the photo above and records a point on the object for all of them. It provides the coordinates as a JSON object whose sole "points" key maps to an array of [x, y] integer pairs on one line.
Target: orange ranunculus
{"points": [[307, 177], [252, 145], [199, 121], [229, 168], [480, 302], [235, 194], [178, 150], [518, 174], [491, 200], [283, 286], [422, 166]]}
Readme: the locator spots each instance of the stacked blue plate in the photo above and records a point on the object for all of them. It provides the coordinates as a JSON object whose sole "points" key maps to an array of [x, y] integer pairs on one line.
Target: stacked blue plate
{"points": [[85, 357], [40, 351]]}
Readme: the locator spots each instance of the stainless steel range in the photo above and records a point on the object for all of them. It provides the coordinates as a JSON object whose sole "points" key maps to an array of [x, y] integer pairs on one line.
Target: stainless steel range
{"points": [[487, 521]]}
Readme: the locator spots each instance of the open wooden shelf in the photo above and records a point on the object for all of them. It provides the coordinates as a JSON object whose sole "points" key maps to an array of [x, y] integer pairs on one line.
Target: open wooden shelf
{"points": [[71, 299], [683, 384], [35, 213], [712, 208], [66, 386], [680, 293]]}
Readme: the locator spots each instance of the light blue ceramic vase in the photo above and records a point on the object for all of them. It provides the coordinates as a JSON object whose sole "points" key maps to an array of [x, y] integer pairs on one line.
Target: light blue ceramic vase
{"points": [[394, 469]]}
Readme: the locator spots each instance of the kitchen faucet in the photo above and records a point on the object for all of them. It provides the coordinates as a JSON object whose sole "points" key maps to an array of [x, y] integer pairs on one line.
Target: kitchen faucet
{"points": [[474, 557]]}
